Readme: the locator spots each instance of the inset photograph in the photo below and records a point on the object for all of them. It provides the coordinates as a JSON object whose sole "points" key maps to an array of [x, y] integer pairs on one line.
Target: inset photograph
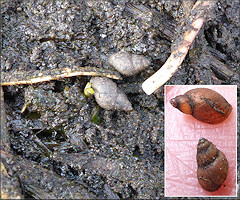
{"points": [[200, 140]]}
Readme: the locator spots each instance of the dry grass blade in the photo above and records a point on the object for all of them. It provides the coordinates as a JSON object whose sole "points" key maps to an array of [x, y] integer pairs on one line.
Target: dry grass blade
{"points": [[35, 76]]}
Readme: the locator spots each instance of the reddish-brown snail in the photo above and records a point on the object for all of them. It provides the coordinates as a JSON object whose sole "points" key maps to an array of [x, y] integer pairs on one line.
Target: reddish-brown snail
{"points": [[212, 165], [204, 104]]}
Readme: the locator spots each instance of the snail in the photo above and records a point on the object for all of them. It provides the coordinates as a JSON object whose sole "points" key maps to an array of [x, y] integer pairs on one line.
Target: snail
{"points": [[128, 64], [212, 165], [108, 95], [204, 104]]}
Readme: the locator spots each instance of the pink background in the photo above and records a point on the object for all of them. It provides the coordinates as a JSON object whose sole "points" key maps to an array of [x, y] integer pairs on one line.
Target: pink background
{"points": [[182, 133]]}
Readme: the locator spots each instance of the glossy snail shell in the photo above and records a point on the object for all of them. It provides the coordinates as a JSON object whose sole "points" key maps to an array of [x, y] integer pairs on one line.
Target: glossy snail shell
{"points": [[204, 104], [212, 165]]}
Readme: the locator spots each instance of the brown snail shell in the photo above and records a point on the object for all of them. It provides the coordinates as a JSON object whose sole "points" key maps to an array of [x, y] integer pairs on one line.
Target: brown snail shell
{"points": [[212, 165], [108, 95], [128, 64], [204, 104]]}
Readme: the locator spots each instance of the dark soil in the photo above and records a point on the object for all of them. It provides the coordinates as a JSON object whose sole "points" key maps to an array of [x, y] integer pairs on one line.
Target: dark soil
{"points": [[64, 145]]}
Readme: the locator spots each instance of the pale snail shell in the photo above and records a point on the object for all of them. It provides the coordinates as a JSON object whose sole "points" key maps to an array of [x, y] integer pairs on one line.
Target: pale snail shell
{"points": [[204, 104], [108, 95], [212, 165], [128, 64]]}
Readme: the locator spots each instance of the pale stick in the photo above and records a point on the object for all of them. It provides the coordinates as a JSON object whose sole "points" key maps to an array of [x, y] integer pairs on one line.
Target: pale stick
{"points": [[177, 56]]}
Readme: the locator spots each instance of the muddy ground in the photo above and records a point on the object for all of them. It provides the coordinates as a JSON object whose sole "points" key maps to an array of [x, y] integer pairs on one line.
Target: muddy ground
{"points": [[64, 145]]}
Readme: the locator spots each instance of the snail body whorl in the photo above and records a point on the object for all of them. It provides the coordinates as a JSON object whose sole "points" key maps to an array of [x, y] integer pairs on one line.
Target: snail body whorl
{"points": [[212, 165], [203, 104]]}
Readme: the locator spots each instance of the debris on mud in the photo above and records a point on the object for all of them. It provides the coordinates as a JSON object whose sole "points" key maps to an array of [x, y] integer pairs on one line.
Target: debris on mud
{"points": [[57, 142]]}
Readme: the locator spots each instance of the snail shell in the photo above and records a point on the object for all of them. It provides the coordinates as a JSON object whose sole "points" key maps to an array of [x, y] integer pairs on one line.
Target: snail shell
{"points": [[212, 165], [203, 104], [108, 95], [128, 64]]}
